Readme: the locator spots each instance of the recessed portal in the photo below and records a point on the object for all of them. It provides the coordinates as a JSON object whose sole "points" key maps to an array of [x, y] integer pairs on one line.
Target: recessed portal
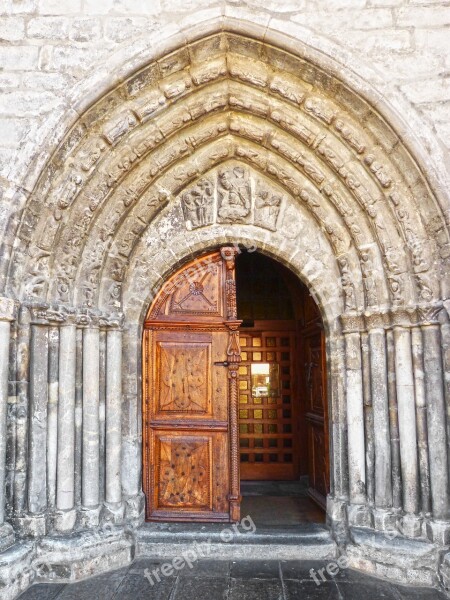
{"points": [[283, 435], [234, 376]]}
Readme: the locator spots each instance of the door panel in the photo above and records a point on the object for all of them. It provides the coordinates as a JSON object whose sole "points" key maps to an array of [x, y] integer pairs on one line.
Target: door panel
{"points": [[185, 383], [190, 479], [316, 414], [191, 352]]}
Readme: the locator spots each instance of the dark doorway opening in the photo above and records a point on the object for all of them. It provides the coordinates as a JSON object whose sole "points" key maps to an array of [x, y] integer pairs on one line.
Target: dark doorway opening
{"points": [[283, 429]]}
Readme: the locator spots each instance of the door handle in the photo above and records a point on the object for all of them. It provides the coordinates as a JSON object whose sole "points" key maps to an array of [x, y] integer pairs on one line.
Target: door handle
{"points": [[223, 363]]}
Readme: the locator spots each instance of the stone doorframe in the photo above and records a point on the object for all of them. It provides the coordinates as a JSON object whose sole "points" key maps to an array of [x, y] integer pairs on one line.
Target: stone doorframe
{"points": [[225, 139]]}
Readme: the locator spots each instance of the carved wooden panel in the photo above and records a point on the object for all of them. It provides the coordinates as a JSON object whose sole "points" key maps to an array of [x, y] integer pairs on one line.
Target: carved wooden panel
{"points": [[190, 356], [184, 377], [314, 374], [183, 467], [195, 293]]}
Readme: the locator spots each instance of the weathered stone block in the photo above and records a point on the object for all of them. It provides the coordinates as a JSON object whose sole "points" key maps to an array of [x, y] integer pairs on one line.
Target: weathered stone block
{"points": [[12, 29], [19, 58], [59, 7], [48, 28]]}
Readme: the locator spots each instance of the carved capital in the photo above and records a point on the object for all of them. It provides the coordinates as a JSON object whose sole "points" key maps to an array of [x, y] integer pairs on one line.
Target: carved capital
{"points": [[83, 320], [113, 321], [403, 317], [352, 322], [376, 320], [8, 309], [44, 314], [429, 315]]}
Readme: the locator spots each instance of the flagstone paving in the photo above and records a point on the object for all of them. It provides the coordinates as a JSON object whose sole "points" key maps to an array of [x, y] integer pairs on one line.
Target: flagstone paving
{"points": [[229, 580]]}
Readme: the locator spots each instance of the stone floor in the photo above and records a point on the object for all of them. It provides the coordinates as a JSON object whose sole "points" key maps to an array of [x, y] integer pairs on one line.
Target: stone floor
{"points": [[236, 580], [279, 503]]}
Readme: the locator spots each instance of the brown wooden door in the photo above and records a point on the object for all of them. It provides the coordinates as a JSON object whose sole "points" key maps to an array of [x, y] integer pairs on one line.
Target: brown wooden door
{"points": [[268, 403], [190, 363], [316, 416]]}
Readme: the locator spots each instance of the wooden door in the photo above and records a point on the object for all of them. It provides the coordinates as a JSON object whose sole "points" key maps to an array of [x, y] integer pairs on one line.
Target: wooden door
{"points": [[316, 416], [190, 363], [268, 403]]}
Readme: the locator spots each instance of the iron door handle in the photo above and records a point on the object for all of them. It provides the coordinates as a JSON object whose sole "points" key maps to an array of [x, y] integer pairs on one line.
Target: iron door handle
{"points": [[223, 363]]}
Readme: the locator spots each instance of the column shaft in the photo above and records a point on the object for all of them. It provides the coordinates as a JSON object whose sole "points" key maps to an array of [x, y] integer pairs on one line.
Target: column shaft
{"points": [[52, 412], [91, 393], [23, 373], [37, 463], [421, 417], [380, 403], [65, 497], [5, 328], [355, 418], [368, 420], [406, 419], [436, 417], [113, 416], [393, 422]]}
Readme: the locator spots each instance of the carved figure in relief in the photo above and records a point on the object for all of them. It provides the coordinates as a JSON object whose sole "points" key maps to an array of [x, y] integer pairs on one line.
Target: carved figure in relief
{"points": [[119, 129], [368, 279], [378, 171], [349, 136], [319, 109], [395, 285], [92, 154], [267, 209], [234, 196], [70, 189], [287, 90], [425, 291], [38, 277], [197, 205], [347, 285], [380, 228]]}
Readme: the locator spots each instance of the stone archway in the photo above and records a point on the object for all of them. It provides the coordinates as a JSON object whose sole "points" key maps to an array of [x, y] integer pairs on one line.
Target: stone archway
{"points": [[334, 194]]}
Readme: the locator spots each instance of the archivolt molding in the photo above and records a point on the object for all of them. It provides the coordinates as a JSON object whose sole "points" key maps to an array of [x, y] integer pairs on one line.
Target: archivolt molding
{"points": [[228, 96]]}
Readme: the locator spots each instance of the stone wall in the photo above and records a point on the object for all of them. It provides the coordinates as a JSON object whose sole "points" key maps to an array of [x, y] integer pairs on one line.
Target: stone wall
{"points": [[48, 47], [127, 119]]}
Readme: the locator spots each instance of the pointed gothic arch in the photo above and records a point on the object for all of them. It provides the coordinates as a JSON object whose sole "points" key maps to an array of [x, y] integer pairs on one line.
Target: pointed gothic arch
{"points": [[335, 195]]}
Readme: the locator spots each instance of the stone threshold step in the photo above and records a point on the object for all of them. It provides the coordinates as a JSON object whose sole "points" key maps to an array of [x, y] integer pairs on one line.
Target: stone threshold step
{"points": [[222, 541]]}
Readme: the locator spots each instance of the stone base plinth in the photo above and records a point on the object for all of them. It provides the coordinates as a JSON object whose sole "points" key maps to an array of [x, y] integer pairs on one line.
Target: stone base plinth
{"points": [[6, 536], [398, 559]]}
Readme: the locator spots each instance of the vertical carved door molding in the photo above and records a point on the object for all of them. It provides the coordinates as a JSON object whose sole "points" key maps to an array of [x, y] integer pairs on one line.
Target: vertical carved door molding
{"points": [[233, 359], [190, 378]]}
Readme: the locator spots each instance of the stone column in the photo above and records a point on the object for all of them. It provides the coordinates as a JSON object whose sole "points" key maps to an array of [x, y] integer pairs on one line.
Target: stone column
{"points": [[396, 476], [114, 421], [401, 321], [90, 496], [133, 496], [52, 412], [436, 420], [37, 440], [23, 364], [376, 324], [7, 310], [65, 493], [421, 418], [358, 514]]}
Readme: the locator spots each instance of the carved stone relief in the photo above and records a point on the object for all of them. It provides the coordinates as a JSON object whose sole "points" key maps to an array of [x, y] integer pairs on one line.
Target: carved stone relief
{"points": [[232, 194], [198, 205]]}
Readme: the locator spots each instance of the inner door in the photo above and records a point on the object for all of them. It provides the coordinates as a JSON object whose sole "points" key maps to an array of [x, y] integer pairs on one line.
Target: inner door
{"points": [[268, 402], [190, 364]]}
